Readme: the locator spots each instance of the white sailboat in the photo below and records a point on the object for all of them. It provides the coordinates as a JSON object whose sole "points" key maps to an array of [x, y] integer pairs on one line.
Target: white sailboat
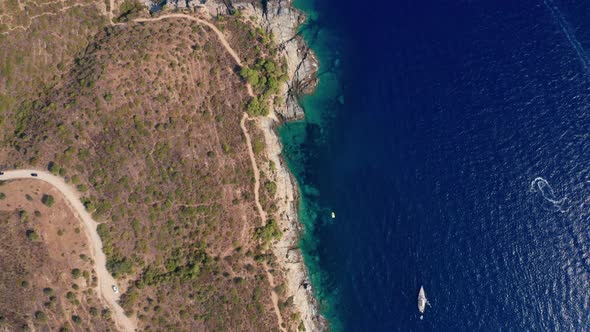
{"points": [[422, 301]]}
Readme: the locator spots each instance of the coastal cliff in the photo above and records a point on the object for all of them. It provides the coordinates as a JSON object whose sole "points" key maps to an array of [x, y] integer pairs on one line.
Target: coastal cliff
{"points": [[282, 21]]}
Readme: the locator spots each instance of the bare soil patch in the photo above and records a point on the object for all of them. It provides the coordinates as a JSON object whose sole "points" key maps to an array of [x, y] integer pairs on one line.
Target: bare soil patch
{"points": [[47, 277]]}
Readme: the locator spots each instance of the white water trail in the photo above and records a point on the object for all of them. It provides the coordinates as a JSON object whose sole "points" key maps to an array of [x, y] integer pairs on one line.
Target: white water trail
{"points": [[569, 34], [540, 185]]}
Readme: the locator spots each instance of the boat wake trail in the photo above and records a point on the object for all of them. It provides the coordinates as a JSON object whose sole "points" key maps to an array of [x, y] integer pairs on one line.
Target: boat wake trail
{"points": [[569, 34], [540, 185]]}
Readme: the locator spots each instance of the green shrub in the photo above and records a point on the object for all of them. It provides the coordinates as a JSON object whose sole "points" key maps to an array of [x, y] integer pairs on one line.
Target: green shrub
{"points": [[119, 266], [53, 168], [40, 316], [250, 75], [271, 188], [257, 145], [269, 232], [48, 200], [258, 107], [32, 235], [129, 10], [76, 319], [23, 215]]}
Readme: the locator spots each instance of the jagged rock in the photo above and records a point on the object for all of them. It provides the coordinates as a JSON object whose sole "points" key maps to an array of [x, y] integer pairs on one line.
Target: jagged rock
{"points": [[280, 19], [283, 21]]}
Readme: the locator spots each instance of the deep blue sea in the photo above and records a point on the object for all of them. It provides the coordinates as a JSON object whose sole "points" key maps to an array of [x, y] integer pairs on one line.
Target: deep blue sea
{"points": [[452, 140]]}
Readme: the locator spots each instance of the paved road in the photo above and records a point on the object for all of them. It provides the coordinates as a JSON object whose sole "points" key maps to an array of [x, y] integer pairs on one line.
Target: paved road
{"points": [[104, 278]]}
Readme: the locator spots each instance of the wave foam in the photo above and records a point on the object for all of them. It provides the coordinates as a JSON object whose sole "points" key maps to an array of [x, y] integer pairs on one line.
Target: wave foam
{"points": [[569, 34], [540, 185]]}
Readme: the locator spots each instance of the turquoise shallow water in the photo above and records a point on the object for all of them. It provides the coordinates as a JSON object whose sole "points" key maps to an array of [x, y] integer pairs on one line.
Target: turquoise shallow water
{"points": [[304, 145]]}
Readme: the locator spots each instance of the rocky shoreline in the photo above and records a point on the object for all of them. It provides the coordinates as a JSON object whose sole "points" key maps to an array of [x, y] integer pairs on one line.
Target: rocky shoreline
{"points": [[282, 20]]}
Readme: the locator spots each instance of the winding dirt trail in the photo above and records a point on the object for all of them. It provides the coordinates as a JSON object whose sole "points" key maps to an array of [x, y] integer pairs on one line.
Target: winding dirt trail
{"points": [[219, 34], [34, 17], [262, 214], [200, 21], [254, 168], [104, 279]]}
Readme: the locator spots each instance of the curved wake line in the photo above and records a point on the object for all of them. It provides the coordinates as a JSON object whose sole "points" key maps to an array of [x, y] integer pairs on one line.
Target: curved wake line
{"points": [[543, 187], [567, 31]]}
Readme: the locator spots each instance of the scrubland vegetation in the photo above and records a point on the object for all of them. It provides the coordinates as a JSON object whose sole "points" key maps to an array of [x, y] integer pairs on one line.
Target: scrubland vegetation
{"points": [[37, 290], [143, 119], [264, 70]]}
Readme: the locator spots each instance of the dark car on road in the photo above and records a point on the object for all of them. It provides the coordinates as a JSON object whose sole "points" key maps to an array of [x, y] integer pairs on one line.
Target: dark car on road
{"points": [[34, 174]]}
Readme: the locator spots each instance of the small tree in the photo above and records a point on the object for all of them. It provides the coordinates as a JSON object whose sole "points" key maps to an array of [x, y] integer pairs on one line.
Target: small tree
{"points": [[258, 106], [53, 168], [129, 9], [76, 319], [48, 200], [40, 315], [32, 235]]}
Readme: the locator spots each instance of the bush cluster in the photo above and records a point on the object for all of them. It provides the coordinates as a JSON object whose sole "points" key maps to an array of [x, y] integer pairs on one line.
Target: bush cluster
{"points": [[265, 77]]}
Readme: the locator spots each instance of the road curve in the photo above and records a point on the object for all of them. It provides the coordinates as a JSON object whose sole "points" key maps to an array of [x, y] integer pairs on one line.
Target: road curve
{"points": [[104, 278], [72, 196]]}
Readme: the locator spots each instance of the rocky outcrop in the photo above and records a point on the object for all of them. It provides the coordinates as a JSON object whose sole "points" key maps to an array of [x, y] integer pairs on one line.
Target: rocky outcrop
{"points": [[280, 19], [283, 21]]}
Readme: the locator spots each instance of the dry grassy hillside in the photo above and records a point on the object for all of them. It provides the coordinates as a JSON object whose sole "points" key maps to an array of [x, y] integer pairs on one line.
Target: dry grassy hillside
{"points": [[38, 42], [47, 276], [144, 118]]}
